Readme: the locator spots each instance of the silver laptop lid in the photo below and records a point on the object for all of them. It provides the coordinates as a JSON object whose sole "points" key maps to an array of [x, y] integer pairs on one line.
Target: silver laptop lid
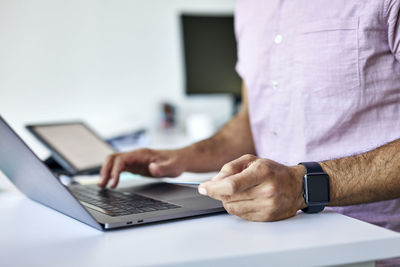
{"points": [[27, 172]]}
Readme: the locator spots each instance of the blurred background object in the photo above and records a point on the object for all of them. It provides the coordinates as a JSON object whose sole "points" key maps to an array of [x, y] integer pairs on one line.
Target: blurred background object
{"points": [[168, 115], [130, 141], [199, 126]]}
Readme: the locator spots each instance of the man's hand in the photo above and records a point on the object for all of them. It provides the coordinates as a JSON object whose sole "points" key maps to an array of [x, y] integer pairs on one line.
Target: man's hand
{"points": [[258, 189], [147, 162]]}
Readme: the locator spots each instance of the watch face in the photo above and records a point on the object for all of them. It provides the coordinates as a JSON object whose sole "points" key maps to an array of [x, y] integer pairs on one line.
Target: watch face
{"points": [[317, 188]]}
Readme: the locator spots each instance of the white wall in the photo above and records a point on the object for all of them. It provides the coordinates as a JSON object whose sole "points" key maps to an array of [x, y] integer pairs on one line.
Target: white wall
{"points": [[101, 61]]}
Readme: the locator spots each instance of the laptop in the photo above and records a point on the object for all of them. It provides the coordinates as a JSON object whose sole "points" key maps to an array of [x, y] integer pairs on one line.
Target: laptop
{"points": [[104, 209]]}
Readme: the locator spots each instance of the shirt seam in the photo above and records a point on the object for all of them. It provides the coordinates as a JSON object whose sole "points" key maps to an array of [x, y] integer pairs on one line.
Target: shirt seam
{"points": [[385, 11], [385, 15]]}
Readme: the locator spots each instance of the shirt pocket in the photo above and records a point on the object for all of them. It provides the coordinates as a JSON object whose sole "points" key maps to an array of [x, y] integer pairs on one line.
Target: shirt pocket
{"points": [[326, 56]]}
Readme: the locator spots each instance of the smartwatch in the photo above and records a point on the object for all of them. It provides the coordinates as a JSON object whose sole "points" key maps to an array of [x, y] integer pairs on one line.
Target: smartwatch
{"points": [[315, 187]]}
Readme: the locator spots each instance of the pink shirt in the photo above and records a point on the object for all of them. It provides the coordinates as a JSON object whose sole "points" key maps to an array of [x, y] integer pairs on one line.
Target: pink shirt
{"points": [[323, 80]]}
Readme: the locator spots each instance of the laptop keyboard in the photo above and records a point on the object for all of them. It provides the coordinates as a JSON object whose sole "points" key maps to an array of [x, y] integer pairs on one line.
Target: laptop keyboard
{"points": [[114, 203]]}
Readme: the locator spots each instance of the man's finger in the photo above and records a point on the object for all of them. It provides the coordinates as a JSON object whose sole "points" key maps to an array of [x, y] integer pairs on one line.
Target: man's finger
{"points": [[118, 167], [230, 185], [253, 216], [253, 211], [219, 176], [240, 208], [161, 169], [247, 195], [234, 167], [105, 170], [266, 215]]}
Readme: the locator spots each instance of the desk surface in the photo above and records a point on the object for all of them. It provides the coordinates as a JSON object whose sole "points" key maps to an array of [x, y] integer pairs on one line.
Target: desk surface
{"points": [[31, 235]]}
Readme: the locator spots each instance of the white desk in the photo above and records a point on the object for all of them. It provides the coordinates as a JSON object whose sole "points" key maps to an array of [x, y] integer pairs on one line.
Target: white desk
{"points": [[33, 235]]}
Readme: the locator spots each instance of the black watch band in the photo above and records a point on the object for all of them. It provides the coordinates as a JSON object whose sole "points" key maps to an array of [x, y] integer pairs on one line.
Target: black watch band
{"points": [[312, 167], [316, 187], [313, 209]]}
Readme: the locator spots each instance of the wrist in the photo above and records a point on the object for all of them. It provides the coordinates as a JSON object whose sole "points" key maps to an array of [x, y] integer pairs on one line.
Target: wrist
{"points": [[298, 173], [183, 157], [332, 184]]}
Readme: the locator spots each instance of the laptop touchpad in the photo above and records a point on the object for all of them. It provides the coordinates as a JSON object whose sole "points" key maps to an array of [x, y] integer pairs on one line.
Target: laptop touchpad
{"points": [[164, 191]]}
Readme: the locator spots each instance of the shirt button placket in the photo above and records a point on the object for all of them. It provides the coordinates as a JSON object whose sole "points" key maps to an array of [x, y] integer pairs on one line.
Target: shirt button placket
{"points": [[275, 84], [277, 40]]}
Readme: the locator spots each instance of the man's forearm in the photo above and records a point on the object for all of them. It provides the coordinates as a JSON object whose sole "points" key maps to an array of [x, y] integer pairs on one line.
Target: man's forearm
{"points": [[368, 177], [232, 141]]}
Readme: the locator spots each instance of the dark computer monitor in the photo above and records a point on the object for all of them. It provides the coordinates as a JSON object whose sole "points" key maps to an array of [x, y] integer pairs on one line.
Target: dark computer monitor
{"points": [[210, 55]]}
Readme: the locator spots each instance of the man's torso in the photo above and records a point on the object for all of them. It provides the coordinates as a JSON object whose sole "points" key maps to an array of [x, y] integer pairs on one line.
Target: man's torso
{"points": [[323, 81]]}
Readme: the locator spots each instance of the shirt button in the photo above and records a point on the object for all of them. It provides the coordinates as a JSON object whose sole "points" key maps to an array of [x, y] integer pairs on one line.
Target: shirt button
{"points": [[275, 133], [278, 39], [275, 84]]}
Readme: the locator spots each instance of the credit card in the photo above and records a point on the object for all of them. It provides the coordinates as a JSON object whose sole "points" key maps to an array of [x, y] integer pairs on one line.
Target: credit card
{"points": [[187, 183]]}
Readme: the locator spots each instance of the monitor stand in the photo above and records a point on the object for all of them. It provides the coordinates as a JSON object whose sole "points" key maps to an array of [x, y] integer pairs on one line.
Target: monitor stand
{"points": [[237, 104]]}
